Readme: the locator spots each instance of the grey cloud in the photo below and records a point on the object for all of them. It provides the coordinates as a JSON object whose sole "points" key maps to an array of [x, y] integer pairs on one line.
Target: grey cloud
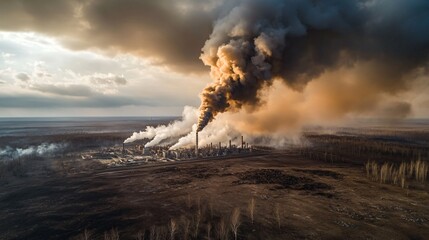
{"points": [[23, 77], [65, 90], [98, 101], [108, 79], [168, 32], [156, 29], [95, 100], [173, 32], [43, 74], [120, 80], [42, 15]]}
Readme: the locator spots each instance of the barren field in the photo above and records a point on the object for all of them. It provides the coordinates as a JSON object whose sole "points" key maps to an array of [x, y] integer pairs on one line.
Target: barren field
{"points": [[294, 197]]}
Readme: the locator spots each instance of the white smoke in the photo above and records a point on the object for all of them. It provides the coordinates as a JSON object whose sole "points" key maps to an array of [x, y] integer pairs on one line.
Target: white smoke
{"points": [[40, 150], [164, 132], [5, 151], [218, 131], [181, 134], [226, 128]]}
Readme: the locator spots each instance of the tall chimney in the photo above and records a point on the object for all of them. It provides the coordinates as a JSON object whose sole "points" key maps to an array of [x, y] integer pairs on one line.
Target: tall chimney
{"points": [[242, 141], [123, 148], [230, 146], [220, 145], [196, 144]]}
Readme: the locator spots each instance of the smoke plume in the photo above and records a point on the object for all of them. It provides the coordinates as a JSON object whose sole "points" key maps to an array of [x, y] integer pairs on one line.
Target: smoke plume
{"points": [[181, 133], [280, 65], [257, 41], [43, 149], [174, 130]]}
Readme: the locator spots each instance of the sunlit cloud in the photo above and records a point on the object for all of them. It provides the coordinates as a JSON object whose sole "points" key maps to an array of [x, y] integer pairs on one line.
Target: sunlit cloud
{"points": [[36, 71]]}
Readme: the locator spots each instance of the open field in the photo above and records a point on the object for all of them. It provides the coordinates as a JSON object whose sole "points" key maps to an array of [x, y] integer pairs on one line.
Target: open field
{"points": [[354, 183], [295, 198]]}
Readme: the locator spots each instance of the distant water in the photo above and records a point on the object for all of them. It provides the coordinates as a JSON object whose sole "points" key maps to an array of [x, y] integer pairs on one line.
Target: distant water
{"points": [[69, 125]]}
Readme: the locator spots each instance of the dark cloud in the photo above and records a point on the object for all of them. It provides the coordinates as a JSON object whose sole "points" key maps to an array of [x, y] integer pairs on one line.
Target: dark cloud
{"points": [[160, 30], [168, 32], [41, 15], [173, 32], [23, 77]]}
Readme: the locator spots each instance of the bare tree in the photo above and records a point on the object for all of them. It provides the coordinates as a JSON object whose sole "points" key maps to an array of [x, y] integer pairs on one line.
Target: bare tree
{"points": [[222, 230], [235, 221], [197, 220], [172, 227], [85, 235], [113, 234]]}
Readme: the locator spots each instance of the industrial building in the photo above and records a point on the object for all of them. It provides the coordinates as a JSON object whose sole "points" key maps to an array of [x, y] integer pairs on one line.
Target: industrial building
{"points": [[139, 154]]}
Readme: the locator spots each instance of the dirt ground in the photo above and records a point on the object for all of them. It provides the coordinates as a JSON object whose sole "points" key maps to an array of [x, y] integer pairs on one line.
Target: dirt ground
{"points": [[295, 198]]}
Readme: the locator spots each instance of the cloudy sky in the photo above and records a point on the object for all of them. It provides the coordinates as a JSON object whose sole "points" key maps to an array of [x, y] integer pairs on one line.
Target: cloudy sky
{"points": [[146, 57], [72, 57]]}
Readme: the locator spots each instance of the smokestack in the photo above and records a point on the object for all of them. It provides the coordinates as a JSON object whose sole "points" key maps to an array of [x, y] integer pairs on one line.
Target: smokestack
{"points": [[123, 148], [242, 142], [230, 146], [196, 144], [220, 145]]}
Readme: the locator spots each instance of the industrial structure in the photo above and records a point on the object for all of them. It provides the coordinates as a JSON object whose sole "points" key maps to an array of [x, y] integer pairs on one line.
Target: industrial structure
{"points": [[196, 144], [139, 154]]}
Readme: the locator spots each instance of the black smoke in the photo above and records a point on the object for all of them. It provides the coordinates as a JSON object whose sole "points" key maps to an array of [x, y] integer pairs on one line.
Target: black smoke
{"points": [[257, 41]]}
